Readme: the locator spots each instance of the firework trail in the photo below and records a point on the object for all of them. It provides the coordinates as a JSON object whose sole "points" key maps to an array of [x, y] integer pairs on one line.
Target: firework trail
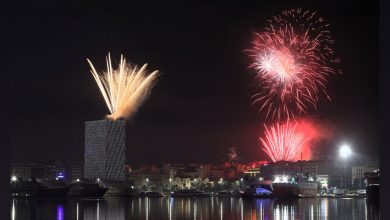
{"points": [[293, 58], [124, 89], [282, 141]]}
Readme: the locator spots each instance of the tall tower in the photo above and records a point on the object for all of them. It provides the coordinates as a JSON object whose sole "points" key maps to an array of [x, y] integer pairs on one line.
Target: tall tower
{"points": [[104, 153]]}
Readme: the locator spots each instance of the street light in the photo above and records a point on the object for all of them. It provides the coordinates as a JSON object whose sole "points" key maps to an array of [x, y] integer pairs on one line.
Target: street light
{"points": [[345, 152], [14, 179], [147, 183]]}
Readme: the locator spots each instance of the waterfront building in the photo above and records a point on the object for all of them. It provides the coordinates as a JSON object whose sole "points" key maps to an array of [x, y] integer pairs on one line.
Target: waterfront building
{"points": [[204, 171], [20, 171], [74, 172], [358, 174]]}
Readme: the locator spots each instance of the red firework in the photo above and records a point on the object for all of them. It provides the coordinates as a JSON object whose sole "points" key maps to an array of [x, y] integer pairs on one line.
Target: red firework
{"points": [[293, 58], [283, 141]]}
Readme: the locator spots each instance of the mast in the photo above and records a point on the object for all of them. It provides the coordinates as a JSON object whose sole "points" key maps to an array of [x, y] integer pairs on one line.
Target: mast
{"points": [[301, 165]]}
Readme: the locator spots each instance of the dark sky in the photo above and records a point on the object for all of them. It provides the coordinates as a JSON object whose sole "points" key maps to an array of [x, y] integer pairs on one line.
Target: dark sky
{"points": [[201, 104]]}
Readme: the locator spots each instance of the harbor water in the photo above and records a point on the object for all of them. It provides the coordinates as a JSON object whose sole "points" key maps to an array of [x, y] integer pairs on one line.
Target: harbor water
{"points": [[192, 208]]}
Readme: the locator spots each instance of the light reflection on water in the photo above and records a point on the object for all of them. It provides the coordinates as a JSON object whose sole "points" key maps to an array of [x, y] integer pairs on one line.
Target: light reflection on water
{"points": [[192, 208]]}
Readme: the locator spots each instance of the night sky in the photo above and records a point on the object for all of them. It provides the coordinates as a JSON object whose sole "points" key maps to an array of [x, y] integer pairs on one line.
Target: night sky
{"points": [[201, 104]]}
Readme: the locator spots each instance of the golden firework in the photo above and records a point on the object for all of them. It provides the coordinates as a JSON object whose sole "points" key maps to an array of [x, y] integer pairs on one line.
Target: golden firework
{"points": [[124, 89]]}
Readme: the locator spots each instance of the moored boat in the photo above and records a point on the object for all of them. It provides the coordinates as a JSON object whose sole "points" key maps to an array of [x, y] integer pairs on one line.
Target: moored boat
{"points": [[372, 186], [81, 189], [189, 193], [296, 186]]}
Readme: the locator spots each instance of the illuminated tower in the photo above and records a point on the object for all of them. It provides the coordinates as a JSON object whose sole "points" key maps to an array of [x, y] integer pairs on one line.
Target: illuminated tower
{"points": [[104, 152]]}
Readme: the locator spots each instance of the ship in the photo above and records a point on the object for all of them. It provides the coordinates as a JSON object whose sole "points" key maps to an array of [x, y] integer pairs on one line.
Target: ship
{"points": [[372, 186], [260, 190], [294, 186], [82, 189], [21, 189], [52, 190], [33, 188], [189, 193]]}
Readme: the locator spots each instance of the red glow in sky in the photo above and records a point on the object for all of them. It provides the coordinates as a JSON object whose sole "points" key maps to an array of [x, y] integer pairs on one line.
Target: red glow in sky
{"points": [[288, 140]]}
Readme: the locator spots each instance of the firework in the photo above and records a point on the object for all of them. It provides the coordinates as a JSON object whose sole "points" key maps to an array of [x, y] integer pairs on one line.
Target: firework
{"points": [[282, 141], [292, 57], [124, 89]]}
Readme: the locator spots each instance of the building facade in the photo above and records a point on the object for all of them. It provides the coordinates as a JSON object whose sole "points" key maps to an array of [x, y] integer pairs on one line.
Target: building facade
{"points": [[358, 175], [104, 153], [20, 171]]}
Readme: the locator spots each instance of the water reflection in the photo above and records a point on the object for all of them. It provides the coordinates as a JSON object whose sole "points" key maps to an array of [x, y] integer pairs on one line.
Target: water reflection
{"points": [[193, 208], [60, 212], [13, 210]]}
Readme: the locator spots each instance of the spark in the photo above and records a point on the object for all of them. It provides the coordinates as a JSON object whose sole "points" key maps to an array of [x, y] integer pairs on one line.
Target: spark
{"points": [[124, 89], [292, 58], [282, 141]]}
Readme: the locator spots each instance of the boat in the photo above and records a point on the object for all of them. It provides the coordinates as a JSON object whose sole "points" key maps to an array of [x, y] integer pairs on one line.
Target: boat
{"points": [[189, 193], [295, 186], [260, 189], [372, 186], [230, 193], [23, 189], [257, 191], [236, 193], [51, 189], [119, 191], [224, 193], [81, 189], [56, 192]]}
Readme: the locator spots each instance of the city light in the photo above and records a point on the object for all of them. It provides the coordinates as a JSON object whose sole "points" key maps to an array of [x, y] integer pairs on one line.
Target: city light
{"points": [[60, 176], [98, 179], [77, 180], [281, 179], [345, 151], [14, 179]]}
